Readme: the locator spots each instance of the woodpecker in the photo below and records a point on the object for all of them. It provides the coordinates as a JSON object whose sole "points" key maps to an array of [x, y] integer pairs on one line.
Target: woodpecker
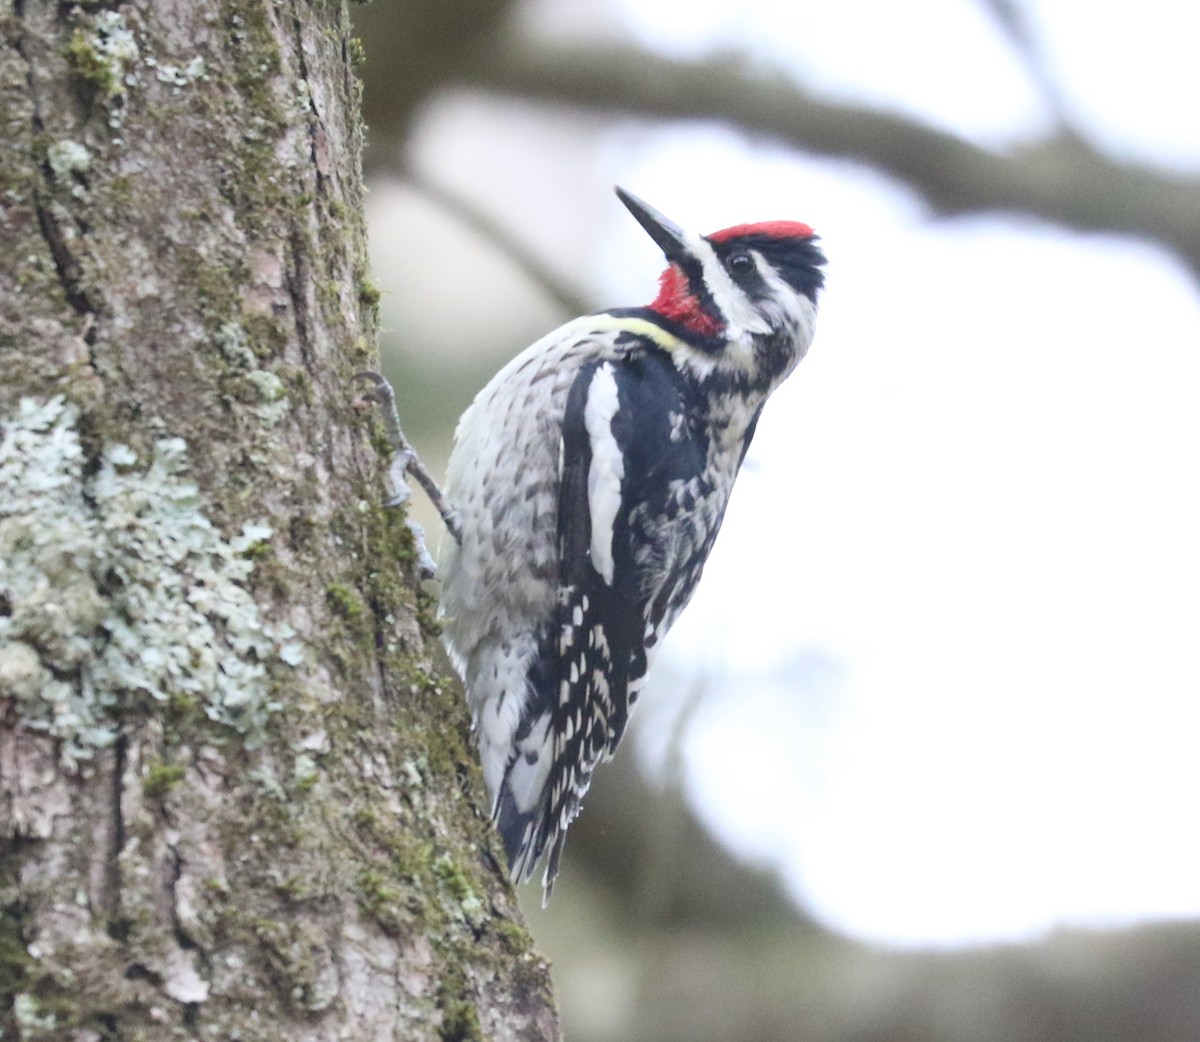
{"points": [[589, 479]]}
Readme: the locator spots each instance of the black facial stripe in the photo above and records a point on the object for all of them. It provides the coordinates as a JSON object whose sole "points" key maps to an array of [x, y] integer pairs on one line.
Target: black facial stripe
{"points": [[798, 262], [694, 272], [750, 281]]}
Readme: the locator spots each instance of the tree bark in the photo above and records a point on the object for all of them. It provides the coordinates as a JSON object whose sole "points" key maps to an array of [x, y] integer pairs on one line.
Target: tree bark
{"points": [[238, 797]]}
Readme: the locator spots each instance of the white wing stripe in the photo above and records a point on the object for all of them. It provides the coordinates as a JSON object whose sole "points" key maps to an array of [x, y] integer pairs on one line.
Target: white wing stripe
{"points": [[607, 469]]}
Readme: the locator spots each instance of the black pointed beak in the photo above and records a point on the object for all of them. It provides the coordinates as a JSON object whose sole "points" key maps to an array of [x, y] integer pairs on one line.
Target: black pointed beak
{"points": [[667, 234]]}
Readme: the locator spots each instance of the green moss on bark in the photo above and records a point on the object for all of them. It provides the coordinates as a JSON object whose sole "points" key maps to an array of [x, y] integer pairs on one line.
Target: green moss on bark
{"points": [[16, 964], [460, 1020], [160, 779]]}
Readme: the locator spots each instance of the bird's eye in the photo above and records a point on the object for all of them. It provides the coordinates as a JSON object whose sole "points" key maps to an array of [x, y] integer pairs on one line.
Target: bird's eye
{"points": [[740, 264]]}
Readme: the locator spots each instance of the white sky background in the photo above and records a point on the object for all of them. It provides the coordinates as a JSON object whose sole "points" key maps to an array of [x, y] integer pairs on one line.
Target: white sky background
{"points": [[949, 635]]}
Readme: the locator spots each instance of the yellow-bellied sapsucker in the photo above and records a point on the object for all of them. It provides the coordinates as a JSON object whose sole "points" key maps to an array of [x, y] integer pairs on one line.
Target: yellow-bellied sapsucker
{"points": [[589, 479]]}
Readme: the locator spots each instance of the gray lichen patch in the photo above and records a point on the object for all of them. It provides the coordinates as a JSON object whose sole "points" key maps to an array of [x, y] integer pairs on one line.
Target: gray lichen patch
{"points": [[118, 593], [262, 390], [69, 160], [104, 54]]}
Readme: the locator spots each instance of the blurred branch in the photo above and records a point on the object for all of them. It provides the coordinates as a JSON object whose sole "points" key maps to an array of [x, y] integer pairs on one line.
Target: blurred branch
{"points": [[1074, 986], [487, 227], [422, 44], [667, 843], [1061, 179], [1013, 22]]}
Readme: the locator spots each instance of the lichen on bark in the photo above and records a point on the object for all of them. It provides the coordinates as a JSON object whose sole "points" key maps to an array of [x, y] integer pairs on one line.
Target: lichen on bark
{"points": [[119, 577]]}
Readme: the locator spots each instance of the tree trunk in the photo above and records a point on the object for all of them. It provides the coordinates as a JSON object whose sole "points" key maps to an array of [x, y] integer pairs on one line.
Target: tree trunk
{"points": [[238, 798]]}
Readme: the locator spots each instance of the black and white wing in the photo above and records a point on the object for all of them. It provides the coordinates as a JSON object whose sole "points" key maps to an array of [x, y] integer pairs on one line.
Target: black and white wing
{"points": [[634, 526]]}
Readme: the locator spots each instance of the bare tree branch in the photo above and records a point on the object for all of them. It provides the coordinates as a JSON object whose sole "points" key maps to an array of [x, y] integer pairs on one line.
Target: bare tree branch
{"points": [[1014, 24], [1062, 179], [483, 224]]}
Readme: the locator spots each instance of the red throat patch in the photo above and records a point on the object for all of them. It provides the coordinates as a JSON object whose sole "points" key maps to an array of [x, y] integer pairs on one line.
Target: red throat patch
{"points": [[677, 302]]}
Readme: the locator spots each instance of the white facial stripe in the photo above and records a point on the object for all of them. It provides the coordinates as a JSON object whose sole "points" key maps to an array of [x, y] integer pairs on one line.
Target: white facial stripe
{"points": [[794, 308], [741, 317], [607, 469], [807, 314]]}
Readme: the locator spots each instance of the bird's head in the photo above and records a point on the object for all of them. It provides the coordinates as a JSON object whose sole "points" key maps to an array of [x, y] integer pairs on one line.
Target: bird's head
{"points": [[745, 297]]}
